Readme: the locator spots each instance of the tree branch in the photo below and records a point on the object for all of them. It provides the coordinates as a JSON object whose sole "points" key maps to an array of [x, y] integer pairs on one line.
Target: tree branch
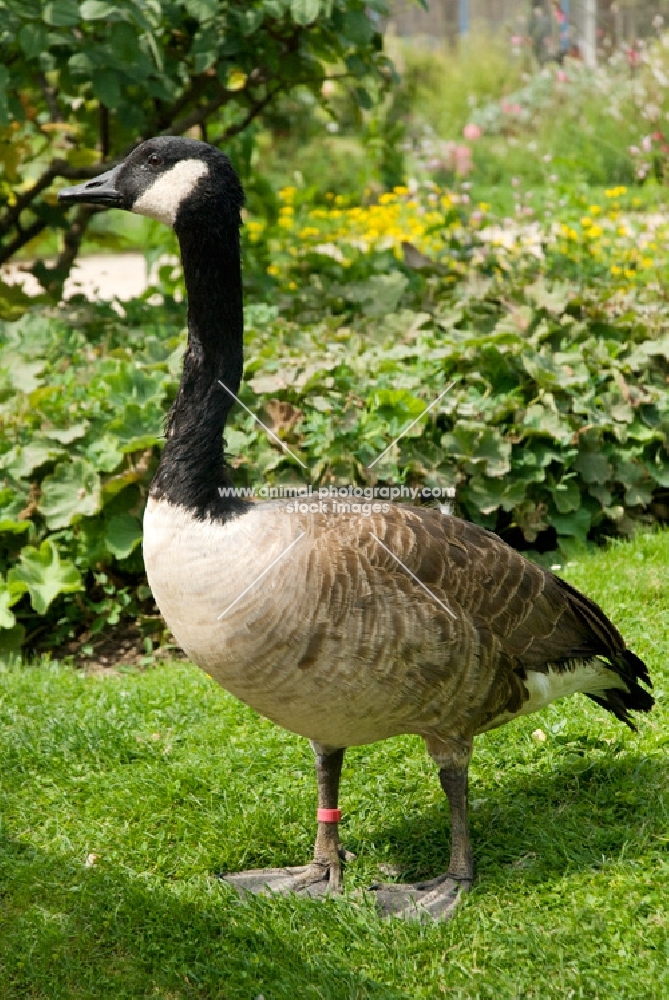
{"points": [[199, 114], [50, 97], [53, 278], [23, 236], [104, 131], [252, 113], [58, 168]]}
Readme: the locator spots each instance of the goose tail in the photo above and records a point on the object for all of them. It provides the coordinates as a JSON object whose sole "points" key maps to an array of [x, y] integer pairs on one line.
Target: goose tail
{"points": [[630, 668], [634, 698]]}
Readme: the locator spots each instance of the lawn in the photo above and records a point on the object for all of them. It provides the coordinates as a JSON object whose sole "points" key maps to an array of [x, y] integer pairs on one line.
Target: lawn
{"points": [[123, 795]]}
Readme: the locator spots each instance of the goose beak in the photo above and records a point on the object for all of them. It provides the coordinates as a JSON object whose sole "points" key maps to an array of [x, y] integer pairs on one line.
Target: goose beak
{"points": [[100, 190]]}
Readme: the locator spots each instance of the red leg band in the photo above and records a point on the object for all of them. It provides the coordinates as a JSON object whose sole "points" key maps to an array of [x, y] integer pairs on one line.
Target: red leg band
{"points": [[328, 815]]}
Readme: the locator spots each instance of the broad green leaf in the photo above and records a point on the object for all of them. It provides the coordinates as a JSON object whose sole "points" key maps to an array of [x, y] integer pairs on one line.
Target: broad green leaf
{"points": [[139, 427], [124, 533], [201, 10], [593, 467], [95, 10], [62, 13], [566, 496], [27, 8], [489, 494], [80, 64], [107, 87], [104, 453], [23, 374], [251, 19], [125, 45], [66, 435], [12, 527], [72, 491], [44, 575], [364, 98], [21, 462], [131, 384], [305, 11], [576, 524], [32, 39], [205, 49], [357, 27]]}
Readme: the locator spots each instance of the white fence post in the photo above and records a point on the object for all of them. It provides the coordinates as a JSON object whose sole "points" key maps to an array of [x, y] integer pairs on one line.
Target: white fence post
{"points": [[589, 39]]}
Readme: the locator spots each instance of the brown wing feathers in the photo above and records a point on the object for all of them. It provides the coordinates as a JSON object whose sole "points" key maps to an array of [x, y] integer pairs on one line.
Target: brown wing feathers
{"points": [[539, 620]]}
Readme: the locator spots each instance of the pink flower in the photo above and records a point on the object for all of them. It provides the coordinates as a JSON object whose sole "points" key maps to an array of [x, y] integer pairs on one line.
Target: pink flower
{"points": [[646, 144], [472, 131], [561, 76]]}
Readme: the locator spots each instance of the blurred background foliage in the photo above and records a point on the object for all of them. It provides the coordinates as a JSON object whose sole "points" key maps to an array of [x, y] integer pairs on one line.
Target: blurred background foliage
{"points": [[416, 214], [81, 83]]}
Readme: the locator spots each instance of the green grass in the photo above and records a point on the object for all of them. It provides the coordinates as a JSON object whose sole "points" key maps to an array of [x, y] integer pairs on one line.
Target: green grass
{"points": [[167, 780]]}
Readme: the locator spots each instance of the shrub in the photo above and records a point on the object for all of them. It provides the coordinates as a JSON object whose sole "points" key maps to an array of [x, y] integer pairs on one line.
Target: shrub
{"points": [[554, 434]]}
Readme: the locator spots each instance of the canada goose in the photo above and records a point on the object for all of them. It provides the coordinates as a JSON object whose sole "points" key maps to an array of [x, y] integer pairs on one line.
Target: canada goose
{"points": [[407, 621]]}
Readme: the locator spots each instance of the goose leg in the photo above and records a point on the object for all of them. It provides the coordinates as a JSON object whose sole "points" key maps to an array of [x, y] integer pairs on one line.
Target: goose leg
{"points": [[324, 874], [438, 897]]}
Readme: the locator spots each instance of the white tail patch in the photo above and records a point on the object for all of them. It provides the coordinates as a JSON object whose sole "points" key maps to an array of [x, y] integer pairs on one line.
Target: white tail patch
{"points": [[169, 190], [588, 677]]}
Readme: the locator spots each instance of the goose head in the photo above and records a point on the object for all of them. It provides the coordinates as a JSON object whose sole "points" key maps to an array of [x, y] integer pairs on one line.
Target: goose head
{"points": [[177, 181]]}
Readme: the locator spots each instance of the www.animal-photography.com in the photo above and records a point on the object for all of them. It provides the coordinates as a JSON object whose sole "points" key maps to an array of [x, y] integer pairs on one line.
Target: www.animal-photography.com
{"points": [[334, 490]]}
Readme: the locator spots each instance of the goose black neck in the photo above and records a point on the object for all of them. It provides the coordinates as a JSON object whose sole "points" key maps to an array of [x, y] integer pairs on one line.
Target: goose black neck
{"points": [[192, 468]]}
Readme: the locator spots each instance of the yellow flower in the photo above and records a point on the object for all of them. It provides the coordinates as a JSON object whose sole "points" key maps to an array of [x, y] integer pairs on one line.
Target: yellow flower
{"points": [[400, 190], [273, 270], [586, 222], [595, 210], [292, 286], [236, 79], [615, 270], [287, 193]]}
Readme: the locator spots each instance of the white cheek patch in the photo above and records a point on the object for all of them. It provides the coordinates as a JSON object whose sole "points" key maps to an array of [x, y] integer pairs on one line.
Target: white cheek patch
{"points": [[162, 200]]}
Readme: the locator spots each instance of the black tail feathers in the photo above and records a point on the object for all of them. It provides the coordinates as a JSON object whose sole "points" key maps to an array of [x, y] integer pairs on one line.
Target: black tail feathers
{"points": [[631, 669], [605, 640]]}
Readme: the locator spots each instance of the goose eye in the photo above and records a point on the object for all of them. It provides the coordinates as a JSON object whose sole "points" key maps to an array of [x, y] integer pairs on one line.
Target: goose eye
{"points": [[154, 160]]}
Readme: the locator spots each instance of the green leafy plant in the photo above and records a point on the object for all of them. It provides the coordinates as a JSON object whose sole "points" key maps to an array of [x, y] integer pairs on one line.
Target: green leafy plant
{"points": [[554, 434]]}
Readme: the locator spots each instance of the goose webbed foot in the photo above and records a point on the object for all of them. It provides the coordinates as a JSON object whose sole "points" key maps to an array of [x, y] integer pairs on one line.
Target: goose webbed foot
{"points": [[320, 878], [434, 899]]}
